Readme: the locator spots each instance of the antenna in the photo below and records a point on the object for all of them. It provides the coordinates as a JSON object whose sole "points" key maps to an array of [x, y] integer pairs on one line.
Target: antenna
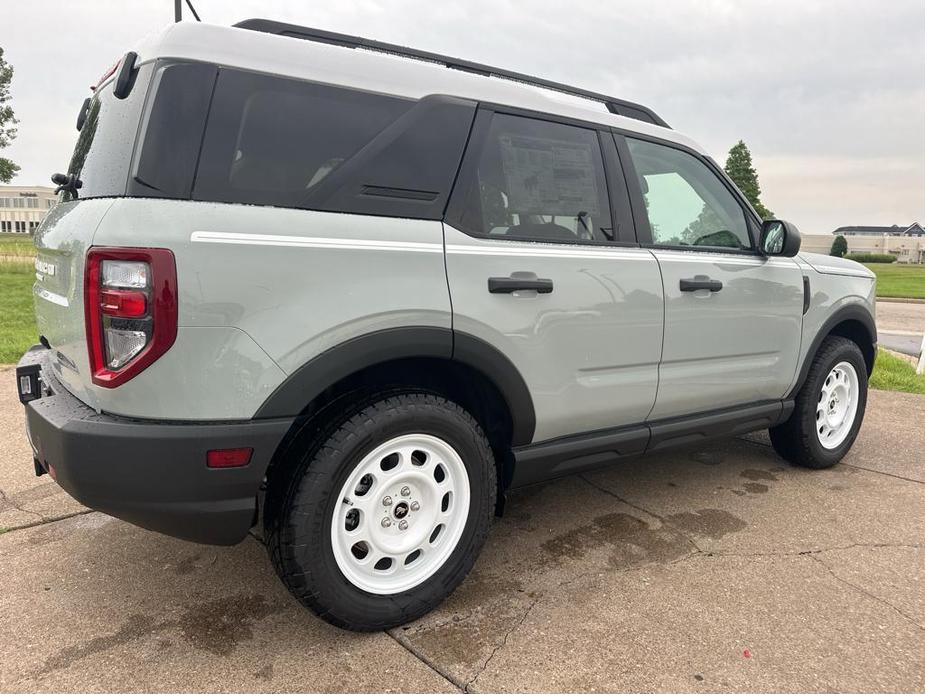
{"points": [[178, 10]]}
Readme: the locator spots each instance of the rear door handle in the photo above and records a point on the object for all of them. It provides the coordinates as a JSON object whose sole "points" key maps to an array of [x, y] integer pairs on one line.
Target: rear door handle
{"points": [[507, 285], [700, 282]]}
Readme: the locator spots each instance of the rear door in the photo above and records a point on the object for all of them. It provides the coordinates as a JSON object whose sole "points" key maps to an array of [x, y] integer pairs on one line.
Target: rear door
{"points": [[732, 317], [542, 265]]}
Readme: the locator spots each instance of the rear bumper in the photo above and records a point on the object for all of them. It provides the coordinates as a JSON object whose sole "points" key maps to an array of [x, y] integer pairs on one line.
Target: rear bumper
{"points": [[149, 473]]}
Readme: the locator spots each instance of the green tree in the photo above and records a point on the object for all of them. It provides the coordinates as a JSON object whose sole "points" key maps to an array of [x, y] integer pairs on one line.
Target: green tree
{"points": [[742, 172], [7, 120], [839, 246]]}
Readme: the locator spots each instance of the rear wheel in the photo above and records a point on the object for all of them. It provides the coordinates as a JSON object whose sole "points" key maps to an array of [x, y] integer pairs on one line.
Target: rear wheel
{"points": [[828, 409], [386, 514]]}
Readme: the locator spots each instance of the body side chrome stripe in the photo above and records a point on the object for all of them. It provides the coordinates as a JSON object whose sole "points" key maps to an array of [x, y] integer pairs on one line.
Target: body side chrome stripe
{"points": [[313, 242], [497, 248]]}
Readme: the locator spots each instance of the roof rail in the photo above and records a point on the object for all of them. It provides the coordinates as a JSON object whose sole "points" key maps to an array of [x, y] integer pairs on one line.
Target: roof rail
{"points": [[619, 107]]}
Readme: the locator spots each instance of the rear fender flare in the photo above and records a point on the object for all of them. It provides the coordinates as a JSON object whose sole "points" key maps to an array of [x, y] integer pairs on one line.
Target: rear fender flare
{"points": [[333, 365]]}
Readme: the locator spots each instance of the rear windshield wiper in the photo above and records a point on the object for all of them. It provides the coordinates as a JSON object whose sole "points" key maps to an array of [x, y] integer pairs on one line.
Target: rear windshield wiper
{"points": [[69, 183]]}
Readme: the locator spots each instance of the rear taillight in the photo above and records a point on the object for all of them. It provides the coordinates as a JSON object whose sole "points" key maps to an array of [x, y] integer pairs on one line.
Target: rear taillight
{"points": [[130, 298]]}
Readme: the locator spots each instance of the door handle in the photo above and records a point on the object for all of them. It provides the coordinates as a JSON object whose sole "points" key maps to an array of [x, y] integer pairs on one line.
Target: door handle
{"points": [[507, 285], [700, 282]]}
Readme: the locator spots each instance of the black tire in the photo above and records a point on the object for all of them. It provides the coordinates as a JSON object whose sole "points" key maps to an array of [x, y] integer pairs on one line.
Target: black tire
{"points": [[796, 440], [299, 538]]}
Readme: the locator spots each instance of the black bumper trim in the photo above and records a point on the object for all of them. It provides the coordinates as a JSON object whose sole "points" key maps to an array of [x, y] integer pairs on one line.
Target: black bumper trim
{"points": [[151, 474]]}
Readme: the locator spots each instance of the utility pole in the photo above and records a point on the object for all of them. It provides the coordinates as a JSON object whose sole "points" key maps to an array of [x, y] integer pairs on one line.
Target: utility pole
{"points": [[920, 369], [177, 10]]}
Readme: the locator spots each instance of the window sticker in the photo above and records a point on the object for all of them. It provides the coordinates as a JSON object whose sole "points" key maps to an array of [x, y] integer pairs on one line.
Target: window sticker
{"points": [[549, 177]]}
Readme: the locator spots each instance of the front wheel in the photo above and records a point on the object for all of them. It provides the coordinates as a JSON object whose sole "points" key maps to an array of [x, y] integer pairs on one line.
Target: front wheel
{"points": [[828, 409], [387, 514]]}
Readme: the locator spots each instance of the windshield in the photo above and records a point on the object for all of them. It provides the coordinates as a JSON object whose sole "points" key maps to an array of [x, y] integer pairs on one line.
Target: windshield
{"points": [[104, 146]]}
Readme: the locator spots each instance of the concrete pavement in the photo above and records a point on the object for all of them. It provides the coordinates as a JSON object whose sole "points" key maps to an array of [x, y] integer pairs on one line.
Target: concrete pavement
{"points": [[24, 498], [717, 568]]}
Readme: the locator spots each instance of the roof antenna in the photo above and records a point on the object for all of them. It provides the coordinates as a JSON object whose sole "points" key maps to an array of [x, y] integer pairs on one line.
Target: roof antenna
{"points": [[178, 10], [192, 9]]}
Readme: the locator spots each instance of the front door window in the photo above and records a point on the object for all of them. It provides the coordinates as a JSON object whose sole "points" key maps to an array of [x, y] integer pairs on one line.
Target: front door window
{"points": [[687, 204]]}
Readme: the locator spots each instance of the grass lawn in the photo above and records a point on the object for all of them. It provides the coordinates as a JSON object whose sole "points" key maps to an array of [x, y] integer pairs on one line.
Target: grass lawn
{"points": [[18, 245], [899, 281], [893, 373], [17, 320]]}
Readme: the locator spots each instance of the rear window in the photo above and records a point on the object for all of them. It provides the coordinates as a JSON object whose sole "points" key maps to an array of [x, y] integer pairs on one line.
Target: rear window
{"points": [[272, 140], [104, 146], [538, 180]]}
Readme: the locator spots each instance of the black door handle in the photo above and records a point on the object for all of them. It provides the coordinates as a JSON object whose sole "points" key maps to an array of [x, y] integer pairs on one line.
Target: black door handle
{"points": [[700, 282], [506, 285]]}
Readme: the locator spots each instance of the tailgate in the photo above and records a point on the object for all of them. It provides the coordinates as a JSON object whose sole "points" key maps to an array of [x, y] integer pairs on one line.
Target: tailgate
{"points": [[61, 247]]}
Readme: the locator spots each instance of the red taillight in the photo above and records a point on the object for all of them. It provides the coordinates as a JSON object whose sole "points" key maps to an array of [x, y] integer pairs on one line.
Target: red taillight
{"points": [[228, 457], [130, 302], [123, 303], [106, 75]]}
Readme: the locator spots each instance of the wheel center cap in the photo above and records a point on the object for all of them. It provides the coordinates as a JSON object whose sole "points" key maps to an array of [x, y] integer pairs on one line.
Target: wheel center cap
{"points": [[401, 509]]}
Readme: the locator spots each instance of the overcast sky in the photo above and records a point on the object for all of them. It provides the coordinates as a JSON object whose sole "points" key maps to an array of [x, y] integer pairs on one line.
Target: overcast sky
{"points": [[828, 94]]}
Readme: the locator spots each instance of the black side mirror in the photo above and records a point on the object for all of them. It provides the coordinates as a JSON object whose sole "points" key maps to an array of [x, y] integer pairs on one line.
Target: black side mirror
{"points": [[779, 238]]}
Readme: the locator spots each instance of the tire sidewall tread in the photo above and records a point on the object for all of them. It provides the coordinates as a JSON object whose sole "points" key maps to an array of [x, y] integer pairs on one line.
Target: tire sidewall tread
{"points": [[796, 439], [320, 472]]}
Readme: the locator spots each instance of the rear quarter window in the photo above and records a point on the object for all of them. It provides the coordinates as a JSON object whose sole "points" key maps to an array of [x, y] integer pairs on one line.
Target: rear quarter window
{"points": [[271, 140], [290, 143], [171, 129]]}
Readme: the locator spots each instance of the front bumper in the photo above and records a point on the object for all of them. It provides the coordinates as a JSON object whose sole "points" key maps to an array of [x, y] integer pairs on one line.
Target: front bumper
{"points": [[150, 473]]}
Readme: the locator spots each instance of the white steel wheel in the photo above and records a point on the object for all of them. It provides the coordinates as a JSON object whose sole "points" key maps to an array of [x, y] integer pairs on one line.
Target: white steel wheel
{"points": [[403, 510], [837, 406]]}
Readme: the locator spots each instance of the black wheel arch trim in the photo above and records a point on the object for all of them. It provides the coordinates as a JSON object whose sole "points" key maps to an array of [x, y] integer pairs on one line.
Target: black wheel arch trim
{"points": [[483, 357], [321, 372], [851, 312]]}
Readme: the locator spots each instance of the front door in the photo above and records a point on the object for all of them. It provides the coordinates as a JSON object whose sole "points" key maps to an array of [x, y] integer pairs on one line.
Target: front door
{"points": [[733, 318]]}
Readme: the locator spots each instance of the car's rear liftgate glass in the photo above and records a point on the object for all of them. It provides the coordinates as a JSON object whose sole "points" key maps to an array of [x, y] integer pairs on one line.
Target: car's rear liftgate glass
{"points": [[103, 152]]}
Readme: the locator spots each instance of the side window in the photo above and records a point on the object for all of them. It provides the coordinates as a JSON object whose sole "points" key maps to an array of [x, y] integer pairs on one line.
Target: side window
{"points": [[272, 140], [687, 204], [172, 126], [537, 180]]}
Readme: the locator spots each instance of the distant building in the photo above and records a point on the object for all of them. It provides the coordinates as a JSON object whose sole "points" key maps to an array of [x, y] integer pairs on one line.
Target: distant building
{"points": [[906, 243], [22, 208], [914, 229]]}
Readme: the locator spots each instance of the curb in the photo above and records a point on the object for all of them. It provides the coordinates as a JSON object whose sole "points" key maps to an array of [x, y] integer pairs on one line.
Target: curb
{"points": [[897, 300]]}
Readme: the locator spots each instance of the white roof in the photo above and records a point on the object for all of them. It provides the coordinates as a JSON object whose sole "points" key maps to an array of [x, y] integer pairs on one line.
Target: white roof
{"points": [[374, 72]]}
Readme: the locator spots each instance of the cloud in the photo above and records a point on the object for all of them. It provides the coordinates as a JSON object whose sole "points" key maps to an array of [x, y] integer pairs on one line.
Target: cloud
{"points": [[829, 95]]}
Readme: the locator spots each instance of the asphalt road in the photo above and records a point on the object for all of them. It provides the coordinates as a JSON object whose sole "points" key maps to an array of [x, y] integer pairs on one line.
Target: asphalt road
{"points": [[900, 326], [712, 569]]}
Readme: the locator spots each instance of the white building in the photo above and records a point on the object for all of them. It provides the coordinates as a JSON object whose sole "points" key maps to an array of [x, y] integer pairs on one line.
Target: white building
{"points": [[22, 208], [908, 248]]}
